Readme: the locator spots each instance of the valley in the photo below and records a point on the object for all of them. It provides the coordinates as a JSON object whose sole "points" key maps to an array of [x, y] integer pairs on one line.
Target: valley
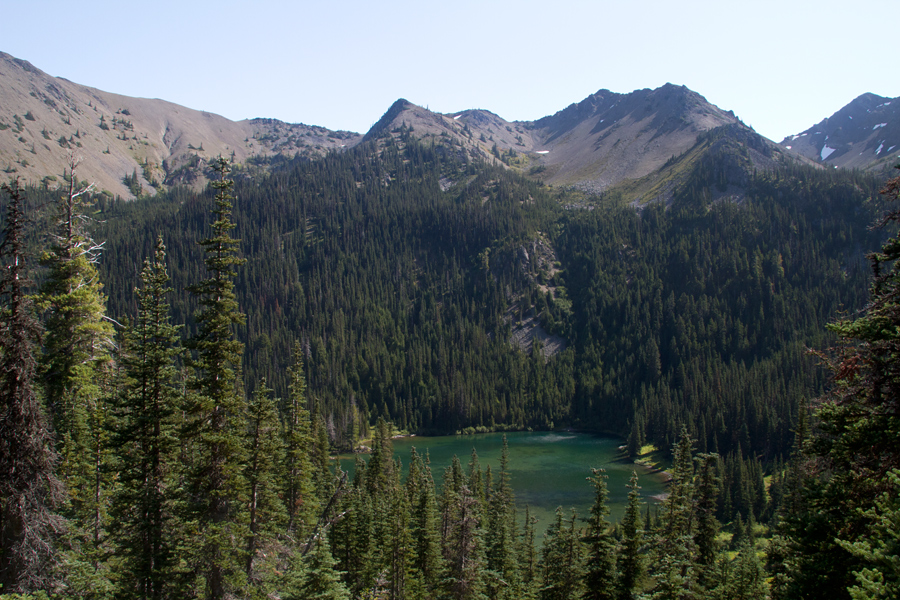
{"points": [[219, 308]]}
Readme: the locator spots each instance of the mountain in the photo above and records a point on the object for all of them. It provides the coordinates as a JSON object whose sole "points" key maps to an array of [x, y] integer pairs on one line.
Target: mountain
{"points": [[642, 143], [604, 141], [865, 134], [43, 118]]}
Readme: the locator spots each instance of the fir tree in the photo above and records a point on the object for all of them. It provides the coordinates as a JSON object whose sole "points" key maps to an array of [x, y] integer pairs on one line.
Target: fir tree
{"points": [[424, 520], [216, 412], [78, 337], [600, 567], [76, 372], [879, 549], [674, 569], [265, 510], [461, 539], [562, 560], [707, 487], [145, 524], [30, 492], [631, 560], [500, 538], [315, 577], [299, 478], [528, 557]]}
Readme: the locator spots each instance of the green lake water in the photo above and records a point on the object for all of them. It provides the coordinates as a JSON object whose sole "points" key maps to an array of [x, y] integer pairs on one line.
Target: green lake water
{"points": [[547, 469]]}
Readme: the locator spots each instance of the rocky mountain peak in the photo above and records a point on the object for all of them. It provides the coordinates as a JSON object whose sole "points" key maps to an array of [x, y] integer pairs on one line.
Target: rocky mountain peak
{"points": [[864, 134]]}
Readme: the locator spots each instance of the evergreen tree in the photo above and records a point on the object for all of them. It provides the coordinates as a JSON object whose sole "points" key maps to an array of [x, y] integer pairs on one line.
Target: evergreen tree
{"points": [[76, 372], [216, 413], [315, 578], [424, 520], [322, 475], [742, 578], [461, 538], [674, 573], [146, 441], [299, 478], [500, 538], [705, 509], [631, 562], [265, 510], [601, 562], [829, 500], [30, 493], [562, 560], [78, 336], [879, 549], [528, 557]]}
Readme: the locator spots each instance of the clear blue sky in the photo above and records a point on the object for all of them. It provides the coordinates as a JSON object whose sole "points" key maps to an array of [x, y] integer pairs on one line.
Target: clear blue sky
{"points": [[781, 66]]}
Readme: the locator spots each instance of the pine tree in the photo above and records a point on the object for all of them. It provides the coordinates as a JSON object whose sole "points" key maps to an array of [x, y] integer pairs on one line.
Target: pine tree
{"points": [[500, 538], [674, 573], [76, 372], [322, 476], [562, 560], [78, 336], [830, 494], [461, 539], [265, 510], [144, 519], [216, 413], [315, 577], [705, 508], [631, 562], [30, 492], [879, 550], [600, 579], [299, 479], [424, 519], [528, 557], [743, 578]]}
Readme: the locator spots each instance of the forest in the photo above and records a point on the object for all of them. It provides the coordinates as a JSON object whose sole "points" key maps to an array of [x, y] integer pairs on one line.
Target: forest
{"points": [[178, 372]]}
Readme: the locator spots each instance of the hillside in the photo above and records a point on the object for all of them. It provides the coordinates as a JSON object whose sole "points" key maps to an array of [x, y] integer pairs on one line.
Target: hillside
{"points": [[136, 146], [865, 134], [43, 118], [604, 141]]}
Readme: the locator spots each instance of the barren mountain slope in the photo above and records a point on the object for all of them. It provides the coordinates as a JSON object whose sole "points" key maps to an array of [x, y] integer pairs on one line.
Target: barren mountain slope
{"points": [[604, 140], [610, 137], [43, 118], [865, 134]]}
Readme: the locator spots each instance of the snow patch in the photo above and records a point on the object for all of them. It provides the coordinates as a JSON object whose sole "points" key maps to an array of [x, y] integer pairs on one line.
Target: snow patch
{"points": [[880, 146], [879, 125], [542, 152], [802, 134], [891, 148], [457, 116], [794, 137], [826, 151]]}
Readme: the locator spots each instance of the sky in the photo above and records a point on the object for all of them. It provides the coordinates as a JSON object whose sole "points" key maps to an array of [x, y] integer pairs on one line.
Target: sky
{"points": [[781, 66]]}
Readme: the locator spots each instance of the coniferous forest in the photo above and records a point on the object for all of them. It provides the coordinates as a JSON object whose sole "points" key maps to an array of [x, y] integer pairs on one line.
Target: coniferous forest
{"points": [[179, 370]]}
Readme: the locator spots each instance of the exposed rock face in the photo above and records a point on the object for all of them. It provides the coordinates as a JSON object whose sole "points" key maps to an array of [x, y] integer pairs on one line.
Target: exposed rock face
{"points": [[594, 144], [865, 134], [44, 118]]}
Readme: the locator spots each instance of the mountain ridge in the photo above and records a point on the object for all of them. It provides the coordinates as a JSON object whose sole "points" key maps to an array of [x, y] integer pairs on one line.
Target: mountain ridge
{"points": [[861, 135], [43, 118], [136, 146]]}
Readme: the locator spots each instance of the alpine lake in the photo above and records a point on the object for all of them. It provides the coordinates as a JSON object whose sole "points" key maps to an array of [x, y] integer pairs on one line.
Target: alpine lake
{"points": [[547, 469]]}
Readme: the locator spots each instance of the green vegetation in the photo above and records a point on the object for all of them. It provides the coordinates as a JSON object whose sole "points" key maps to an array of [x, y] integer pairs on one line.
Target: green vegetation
{"points": [[337, 300]]}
